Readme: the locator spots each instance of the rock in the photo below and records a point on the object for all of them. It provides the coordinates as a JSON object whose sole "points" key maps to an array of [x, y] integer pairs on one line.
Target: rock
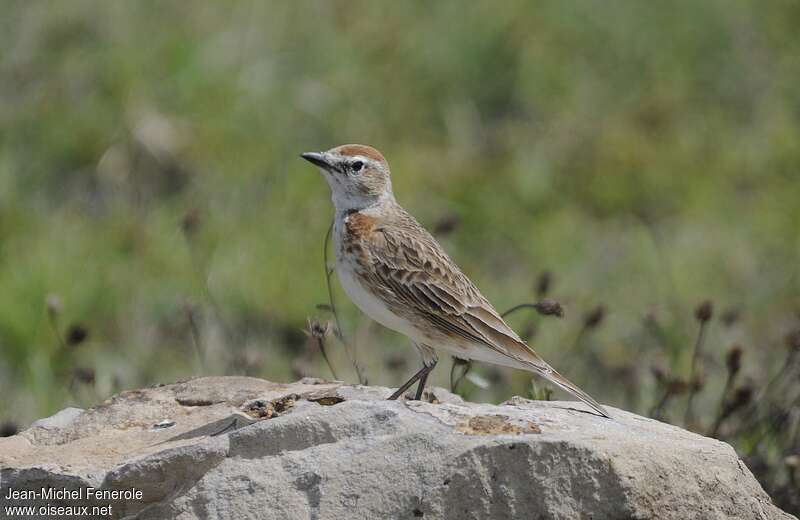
{"points": [[59, 420], [238, 447]]}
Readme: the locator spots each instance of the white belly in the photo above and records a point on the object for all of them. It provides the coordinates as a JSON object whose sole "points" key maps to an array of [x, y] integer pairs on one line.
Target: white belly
{"points": [[371, 305]]}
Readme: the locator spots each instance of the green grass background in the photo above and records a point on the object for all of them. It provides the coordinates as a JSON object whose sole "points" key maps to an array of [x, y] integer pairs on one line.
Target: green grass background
{"points": [[647, 154]]}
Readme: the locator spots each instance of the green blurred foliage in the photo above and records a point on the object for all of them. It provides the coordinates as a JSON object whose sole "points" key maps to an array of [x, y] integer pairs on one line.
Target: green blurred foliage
{"points": [[647, 154]]}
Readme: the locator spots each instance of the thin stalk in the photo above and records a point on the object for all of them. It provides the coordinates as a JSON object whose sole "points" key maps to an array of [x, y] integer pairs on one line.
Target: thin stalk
{"points": [[515, 308], [455, 381], [195, 335], [199, 262], [779, 375], [321, 345], [544, 308], [657, 411], [722, 408], [53, 320], [765, 410], [362, 379], [328, 273], [698, 345]]}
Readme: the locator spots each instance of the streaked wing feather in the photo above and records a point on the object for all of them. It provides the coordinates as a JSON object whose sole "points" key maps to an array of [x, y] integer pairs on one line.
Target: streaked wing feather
{"points": [[420, 273]]}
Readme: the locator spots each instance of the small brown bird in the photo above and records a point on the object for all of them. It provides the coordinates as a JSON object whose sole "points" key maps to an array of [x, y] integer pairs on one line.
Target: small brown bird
{"points": [[399, 276]]}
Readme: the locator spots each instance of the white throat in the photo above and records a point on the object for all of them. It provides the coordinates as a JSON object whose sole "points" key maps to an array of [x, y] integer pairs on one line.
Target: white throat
{"points": [[345, 202]]}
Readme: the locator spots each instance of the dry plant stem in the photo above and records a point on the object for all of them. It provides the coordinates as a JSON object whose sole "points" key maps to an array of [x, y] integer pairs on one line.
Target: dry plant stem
{"points": [[455, 381], [590, 321], [722, 408], [515, 308], [195, 333], [698, 346], [362, 379], [657, 411], [759, 427], [769, 406], [320, 339], [73, 390], [328, 272], [796, 437], [199, 267], [764, 427], [53, 320], [543, 308], [765, 424], [576, 346], [321, 345], [787, 365]]}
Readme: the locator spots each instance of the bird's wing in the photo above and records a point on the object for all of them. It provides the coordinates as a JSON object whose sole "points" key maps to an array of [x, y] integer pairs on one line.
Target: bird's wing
{"points": [[409, 262], [406, 259]]}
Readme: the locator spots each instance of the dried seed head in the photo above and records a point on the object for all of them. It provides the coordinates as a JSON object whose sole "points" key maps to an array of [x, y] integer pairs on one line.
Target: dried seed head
{"points": [[317, 329], [549, 307], [741, 397], [54, 307], [595, 317], [704, 311], [793, 341], [733, 360], [84, 375], [190, 223], [446, 225], [543, 283], [76, 334], [730, 316]]}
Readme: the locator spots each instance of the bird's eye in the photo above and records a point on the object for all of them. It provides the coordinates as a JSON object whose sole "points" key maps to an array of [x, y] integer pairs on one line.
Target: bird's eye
{"points": [[356, 166]]}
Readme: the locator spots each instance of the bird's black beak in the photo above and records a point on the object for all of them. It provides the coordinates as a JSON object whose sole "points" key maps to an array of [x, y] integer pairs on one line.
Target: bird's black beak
{"points": [[317, 159]]}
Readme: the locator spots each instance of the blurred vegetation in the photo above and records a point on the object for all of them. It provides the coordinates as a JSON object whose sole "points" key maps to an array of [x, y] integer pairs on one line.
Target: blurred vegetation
{"points": [[157, 224]]}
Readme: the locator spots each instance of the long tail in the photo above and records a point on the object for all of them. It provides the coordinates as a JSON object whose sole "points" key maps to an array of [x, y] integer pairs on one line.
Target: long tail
{"points": [[550, 374], [495, 333]]}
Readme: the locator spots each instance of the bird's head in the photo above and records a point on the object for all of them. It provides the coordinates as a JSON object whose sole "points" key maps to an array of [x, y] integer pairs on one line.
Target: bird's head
{"points": [[357, 174]]}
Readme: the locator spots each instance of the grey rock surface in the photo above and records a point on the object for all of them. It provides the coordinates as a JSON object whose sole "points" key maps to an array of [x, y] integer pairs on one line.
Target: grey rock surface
{"points": [[242, 448], [58, 420]]}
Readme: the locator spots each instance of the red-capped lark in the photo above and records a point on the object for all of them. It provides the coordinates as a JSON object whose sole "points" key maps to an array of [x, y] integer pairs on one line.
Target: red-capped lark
{"points": [[399, 276]]}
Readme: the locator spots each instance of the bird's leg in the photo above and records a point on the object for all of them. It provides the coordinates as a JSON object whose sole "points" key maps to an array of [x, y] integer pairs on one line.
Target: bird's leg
{"points": [[429, 360], [405, 386], [424, 379]]}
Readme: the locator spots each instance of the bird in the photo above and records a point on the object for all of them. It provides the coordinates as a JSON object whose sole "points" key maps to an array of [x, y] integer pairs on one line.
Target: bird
{"points": [[396, 272]]}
